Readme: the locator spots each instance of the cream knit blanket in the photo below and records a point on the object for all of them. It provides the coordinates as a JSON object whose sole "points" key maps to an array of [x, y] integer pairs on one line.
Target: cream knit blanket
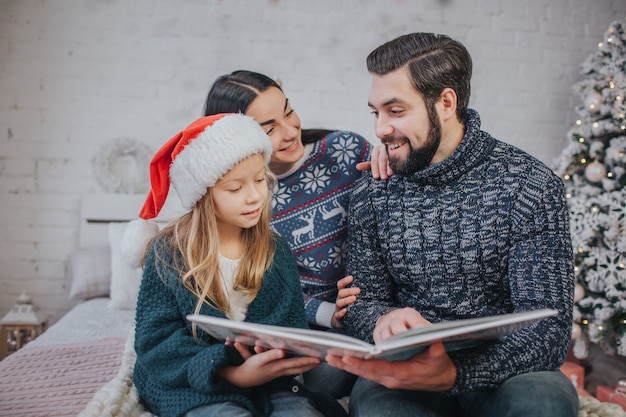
{"points": [[119, 397]]}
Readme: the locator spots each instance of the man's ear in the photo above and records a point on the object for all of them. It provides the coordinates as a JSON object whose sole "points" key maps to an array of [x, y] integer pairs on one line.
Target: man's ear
{"points": [[448, 103]]}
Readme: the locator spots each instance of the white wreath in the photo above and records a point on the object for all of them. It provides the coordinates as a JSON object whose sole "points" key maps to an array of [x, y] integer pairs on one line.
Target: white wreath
{"points": [[121, 166]]}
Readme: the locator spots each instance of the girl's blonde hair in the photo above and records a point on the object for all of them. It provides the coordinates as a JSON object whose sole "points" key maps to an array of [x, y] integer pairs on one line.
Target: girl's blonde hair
{"points": [[195, 236]]}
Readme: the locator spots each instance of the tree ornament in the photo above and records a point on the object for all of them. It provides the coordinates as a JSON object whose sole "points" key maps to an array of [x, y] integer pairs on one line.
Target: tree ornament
{"points": [[621, 345], [579, 292], [576, 331], [595, 171], [593, 102], [581, 346]]}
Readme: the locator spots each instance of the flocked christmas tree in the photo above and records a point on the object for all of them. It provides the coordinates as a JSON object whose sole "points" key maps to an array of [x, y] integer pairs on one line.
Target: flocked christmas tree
{"points": [[593, 167]]}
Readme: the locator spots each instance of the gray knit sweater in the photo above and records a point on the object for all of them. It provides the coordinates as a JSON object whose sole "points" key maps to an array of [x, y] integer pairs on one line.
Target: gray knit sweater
{"points": [[484, 232]]}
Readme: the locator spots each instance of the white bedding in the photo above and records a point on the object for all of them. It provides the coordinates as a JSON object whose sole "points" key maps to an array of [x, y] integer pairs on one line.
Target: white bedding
{"points": [[89, 321]]}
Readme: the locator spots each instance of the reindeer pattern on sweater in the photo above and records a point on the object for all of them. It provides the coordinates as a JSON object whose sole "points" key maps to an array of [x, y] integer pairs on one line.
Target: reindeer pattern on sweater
{"points": [[310, 207]]}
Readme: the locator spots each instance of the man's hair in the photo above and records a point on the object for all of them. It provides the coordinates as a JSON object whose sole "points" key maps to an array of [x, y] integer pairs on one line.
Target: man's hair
{"points": [[434, 62]]}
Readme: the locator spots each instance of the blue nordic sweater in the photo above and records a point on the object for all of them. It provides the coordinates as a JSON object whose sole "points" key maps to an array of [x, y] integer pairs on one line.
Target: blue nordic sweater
{"points": [[310, 208], [484, 232]]}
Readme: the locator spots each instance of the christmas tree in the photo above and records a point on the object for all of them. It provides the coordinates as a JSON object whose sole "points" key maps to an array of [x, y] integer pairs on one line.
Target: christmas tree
{"points": [[593, 168]]}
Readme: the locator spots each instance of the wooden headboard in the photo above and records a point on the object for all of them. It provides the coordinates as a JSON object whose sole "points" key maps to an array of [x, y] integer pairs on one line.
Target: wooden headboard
{"points": [[98, 210]]}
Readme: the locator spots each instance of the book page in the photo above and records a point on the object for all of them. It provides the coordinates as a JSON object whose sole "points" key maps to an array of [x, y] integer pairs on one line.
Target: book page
{"points": [[306, 342], [467, 332], [455, 335]]}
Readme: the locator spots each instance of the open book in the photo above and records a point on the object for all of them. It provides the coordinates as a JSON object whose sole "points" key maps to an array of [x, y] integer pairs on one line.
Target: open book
{"points": [[457, 334]]}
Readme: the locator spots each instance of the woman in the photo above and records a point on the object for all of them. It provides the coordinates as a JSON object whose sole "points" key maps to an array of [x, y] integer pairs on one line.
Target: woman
{"points": [[316, 170]]}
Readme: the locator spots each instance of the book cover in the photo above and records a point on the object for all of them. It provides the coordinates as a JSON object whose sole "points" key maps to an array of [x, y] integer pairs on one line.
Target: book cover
{"points": [[457, 334]]}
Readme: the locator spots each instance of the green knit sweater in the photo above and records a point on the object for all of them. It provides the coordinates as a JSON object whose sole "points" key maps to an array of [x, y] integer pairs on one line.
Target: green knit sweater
{"points": [[174, 372]]}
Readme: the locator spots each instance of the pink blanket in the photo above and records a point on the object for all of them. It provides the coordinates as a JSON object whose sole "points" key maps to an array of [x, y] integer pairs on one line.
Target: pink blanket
{"points": [[58, 380], [92, 379]]}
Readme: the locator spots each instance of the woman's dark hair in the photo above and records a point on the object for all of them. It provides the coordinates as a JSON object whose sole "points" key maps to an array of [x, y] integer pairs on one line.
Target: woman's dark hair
{"points": [[434, 61], [234, 92]]}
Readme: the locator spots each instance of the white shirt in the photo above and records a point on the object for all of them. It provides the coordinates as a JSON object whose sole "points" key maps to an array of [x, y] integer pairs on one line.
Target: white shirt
{"points": [[238, 300]]}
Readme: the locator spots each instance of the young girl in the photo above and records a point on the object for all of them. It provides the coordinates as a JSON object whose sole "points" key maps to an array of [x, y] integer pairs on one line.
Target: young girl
{"points": [[220, 259]]}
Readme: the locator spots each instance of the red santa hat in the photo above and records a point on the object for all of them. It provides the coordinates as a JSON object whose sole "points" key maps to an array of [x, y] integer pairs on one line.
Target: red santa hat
{"points": [[192, 161]]}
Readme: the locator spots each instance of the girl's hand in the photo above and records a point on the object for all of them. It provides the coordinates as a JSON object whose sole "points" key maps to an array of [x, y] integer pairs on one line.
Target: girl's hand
{"points": [[345, 297], [264, 366]]}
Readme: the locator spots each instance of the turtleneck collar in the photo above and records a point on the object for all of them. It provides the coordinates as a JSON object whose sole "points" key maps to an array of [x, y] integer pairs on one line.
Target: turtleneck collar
{"points": [[473, 150]]}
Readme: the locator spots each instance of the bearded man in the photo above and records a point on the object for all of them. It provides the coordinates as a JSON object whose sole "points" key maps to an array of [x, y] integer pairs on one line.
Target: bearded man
{"points": [[467, 226]]}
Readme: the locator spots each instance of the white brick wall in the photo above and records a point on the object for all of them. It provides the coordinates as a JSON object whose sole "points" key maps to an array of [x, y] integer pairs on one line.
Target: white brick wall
{"points": [[76, 74]]}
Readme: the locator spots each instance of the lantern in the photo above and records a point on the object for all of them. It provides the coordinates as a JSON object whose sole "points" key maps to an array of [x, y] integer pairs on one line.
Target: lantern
{"points": [[21, 324]]}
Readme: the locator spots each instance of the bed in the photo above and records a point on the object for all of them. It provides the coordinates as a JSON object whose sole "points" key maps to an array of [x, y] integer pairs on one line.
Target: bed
{"points": [[59, 373], [82, 364]]}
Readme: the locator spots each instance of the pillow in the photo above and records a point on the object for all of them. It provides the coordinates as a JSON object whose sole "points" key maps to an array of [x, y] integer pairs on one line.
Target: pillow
{"points": [[90, 269], [125, 280]]}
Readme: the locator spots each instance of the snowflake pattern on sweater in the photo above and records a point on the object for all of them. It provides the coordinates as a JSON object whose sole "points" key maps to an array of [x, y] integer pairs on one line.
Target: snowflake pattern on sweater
{"points": [[310, 208]]}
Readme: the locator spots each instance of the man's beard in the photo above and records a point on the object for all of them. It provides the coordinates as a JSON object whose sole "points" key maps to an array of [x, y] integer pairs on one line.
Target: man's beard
{"points": [[419, 158]]}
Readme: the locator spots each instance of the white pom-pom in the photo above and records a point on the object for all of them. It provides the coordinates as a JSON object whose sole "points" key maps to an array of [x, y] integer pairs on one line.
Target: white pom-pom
{"points": [[135, 240]]}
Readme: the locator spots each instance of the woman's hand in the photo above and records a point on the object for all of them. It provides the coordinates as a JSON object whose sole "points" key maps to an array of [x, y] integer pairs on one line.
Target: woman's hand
{"points": [[345, 297], [263, 366], [379, 164]]}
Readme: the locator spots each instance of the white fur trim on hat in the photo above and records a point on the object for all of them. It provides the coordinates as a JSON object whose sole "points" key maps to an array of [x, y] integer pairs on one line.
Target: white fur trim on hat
{"points": [[213, 153], [135, 241]]}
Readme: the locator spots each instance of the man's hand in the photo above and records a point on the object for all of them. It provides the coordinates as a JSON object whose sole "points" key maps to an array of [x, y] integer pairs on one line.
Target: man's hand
{"points": [[345, 297], [379, 164], [397, 321], [431, 370]]}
